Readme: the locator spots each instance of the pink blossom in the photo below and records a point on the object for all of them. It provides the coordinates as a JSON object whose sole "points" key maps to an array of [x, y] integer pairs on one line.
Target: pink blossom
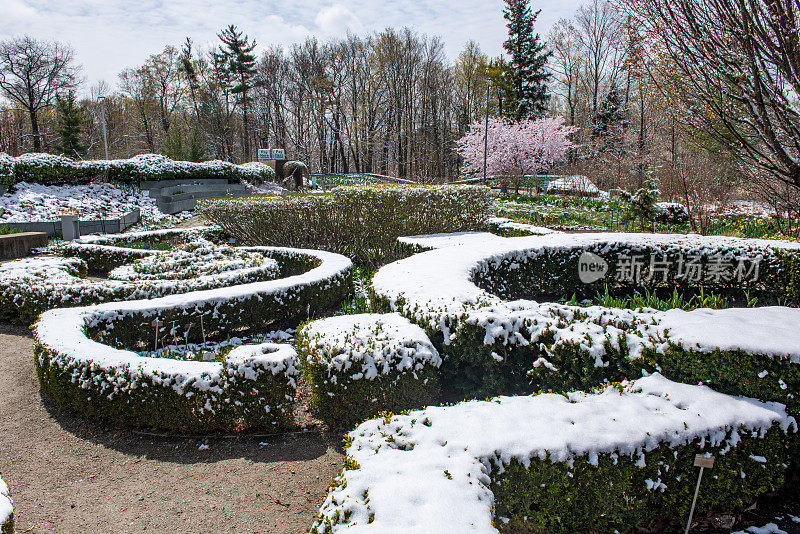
{"points": [[515, 148]]}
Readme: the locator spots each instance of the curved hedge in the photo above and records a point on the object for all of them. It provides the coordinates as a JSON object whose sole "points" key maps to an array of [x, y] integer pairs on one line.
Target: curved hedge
{"points": [[86, 360], [6, 510], [361, 365], [493, 345], [582, 462], [49, 169], [33, 285]]}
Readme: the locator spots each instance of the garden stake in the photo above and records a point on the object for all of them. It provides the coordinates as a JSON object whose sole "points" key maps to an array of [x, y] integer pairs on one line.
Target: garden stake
{"points": [[702, 462]]}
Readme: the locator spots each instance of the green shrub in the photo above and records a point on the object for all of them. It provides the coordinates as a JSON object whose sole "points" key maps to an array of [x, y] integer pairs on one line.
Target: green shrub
{"points": [[48, 169], [362, 223], [361, 365], [240, 395], [85, 362], [613, 495], [606, 460]]}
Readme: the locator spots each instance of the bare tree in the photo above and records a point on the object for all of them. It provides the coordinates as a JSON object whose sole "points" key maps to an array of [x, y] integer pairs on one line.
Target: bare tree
{"points": [[32, 72], [600, 33], [567, 62], [735, 64]]}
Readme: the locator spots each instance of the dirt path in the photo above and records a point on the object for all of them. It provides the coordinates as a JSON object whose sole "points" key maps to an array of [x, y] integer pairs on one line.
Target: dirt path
{"points": [[67, 475]]}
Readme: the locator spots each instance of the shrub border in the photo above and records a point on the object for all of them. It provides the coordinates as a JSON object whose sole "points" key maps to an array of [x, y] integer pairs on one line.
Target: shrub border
{"points": [[82, 361]]}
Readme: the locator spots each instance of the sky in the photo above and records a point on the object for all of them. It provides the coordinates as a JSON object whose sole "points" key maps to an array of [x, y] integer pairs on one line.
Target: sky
{"points": [[110, 35]]}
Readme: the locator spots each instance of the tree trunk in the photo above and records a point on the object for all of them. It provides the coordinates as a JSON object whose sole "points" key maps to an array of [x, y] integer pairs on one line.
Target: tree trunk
{"points": [[37, 141]]}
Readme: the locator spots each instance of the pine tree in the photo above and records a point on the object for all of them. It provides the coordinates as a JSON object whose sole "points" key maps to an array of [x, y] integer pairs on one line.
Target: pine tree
{"points": [[529, 57], [173, 145], [70, 125], [238, 51], [196, 151], [611, 117]]}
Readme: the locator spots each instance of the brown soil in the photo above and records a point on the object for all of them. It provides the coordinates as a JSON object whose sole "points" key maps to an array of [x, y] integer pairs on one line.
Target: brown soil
{"points": [[70, 475]]}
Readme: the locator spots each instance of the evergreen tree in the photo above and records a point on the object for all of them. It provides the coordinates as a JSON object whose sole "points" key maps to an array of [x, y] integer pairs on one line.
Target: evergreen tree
{"points": [[642, 204], [196, 151], [611, 117], [529, 57], [241, 62], [70, 125], [173, 145]]}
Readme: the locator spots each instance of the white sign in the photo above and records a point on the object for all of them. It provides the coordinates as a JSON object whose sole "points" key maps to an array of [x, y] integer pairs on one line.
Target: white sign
{"points": [[264, 153], [278, 153]]}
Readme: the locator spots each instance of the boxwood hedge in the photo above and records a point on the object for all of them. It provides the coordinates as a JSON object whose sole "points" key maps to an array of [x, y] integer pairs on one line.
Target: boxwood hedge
{"points": [[49, 169], [361, 365], [361, 222], [86, 360]]}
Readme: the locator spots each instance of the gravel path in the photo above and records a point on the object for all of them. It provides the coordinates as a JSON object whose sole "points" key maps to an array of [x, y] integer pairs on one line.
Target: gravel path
{"points": [[67, 475]]}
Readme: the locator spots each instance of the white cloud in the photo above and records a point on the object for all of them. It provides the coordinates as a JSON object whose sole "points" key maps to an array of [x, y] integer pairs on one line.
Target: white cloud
{"points": [[109, 35], [337, 20]]}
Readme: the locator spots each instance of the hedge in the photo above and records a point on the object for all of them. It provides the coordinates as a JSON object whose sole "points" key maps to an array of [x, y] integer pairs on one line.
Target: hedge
{"points": [[579, 462], [361, 365], [86, 360], [491, 345], [6, 510], [361, 222], [49, 169], [31, 286]]}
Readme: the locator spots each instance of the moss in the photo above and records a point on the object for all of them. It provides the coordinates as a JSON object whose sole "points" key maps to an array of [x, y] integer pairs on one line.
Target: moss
{"points": [[613, 495], [8, 526]]}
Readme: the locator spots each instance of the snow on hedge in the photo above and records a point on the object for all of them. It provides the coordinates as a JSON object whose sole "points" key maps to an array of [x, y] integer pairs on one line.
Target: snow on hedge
{"points": [[368, 345], [30, 202], [360, 365], [438, 286], [430, 470], [6, 509], [30, 286], [49, 169], [85, 361], [770, 330], [507, 225]]}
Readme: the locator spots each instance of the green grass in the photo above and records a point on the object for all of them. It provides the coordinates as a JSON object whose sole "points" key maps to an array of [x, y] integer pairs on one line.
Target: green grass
{"points": [[659, 301], [335, 180], [5, 230]]}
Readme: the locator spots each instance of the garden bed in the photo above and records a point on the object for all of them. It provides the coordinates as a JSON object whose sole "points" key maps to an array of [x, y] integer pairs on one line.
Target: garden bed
{"points": [[556, 463]]}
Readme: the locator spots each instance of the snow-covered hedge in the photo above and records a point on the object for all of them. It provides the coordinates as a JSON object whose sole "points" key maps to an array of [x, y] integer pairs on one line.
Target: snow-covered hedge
{"points": [[6, 170], [102, 253], [6, 510], [582, 462], [490, 344], [361, 222], [361, 365], [30, 286], [49, 169], [87, 359]]}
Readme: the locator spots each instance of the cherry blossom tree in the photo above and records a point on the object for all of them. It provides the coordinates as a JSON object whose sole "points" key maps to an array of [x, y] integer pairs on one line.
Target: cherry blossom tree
{"points": [[515, 149]]}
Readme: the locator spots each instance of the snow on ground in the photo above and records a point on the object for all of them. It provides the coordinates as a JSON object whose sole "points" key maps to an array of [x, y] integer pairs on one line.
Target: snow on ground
{"points": [[429, 470], [769, 528], [34, 202]]}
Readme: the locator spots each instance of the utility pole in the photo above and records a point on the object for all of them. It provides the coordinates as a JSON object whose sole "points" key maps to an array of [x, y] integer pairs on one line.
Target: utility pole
{"points": [[103, 115], [486, 132]]}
